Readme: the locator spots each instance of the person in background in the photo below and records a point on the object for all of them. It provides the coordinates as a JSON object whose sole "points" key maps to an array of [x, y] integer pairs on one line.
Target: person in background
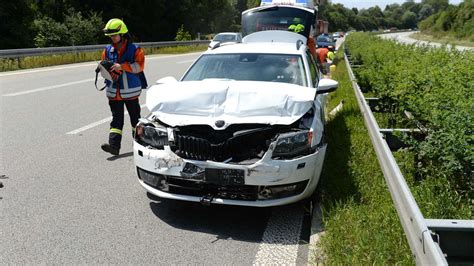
{"points": [[322, 54], [128, 61], [297, 27], [329, 59]]}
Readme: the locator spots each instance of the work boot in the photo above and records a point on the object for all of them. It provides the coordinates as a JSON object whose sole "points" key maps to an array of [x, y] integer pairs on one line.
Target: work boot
{"points": [[110, 149]]}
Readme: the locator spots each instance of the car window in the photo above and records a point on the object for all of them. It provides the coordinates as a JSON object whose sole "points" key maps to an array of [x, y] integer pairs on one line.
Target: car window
{"points": [[225, 38], [252, 67], [322, 38]]}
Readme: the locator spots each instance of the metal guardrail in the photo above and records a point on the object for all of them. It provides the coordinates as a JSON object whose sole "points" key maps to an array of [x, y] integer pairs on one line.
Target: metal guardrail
{"points": [[425, 250], [432, 241], [17, 53]]}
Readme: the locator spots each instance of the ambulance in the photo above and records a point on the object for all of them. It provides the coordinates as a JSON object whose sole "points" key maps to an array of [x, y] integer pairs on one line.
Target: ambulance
{"points": [[281, 15]]}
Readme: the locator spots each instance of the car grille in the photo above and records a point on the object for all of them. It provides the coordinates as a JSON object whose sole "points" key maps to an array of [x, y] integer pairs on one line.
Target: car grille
{"points": [[221, 146]]}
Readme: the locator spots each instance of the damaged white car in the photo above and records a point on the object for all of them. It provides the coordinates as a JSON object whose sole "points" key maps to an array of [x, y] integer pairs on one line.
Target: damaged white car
{"points": [[243, 126]]}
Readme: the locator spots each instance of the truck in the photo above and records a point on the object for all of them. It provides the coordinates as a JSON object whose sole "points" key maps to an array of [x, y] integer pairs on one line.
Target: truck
{"points": [[322, 27]]}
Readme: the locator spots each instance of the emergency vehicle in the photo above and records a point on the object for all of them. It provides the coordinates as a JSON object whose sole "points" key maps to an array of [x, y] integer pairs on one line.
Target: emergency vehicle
{"points": [[280, 15]]}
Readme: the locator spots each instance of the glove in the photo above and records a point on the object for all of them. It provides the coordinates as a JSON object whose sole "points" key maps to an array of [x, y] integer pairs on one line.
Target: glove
{"points": [[115, 75]]}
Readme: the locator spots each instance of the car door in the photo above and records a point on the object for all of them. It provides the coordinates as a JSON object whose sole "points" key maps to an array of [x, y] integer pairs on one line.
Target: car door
{"points": [[319, 100]]}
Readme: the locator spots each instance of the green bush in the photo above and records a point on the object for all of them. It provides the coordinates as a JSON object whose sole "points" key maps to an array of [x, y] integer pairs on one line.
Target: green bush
{"points": [[455, 21], [83, 30], [436, 86], [360, 220], [50, 33], [76, 30], [182, 35]]}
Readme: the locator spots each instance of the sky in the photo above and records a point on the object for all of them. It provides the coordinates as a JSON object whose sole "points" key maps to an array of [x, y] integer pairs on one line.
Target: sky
{"points": [[381, 3]]}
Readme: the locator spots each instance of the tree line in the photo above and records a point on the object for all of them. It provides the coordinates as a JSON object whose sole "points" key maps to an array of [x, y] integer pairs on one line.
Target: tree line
{"points": [[46, 23], [406, 15], [436, 17], [457, 21]]}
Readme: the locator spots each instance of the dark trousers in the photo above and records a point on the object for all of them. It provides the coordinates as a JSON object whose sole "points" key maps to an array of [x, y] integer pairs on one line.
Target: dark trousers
{"points": [[116, 126]]}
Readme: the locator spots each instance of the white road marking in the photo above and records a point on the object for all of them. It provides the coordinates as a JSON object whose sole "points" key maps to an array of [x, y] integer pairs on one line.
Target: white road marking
{"points": [[186, 61], [43, 69], [47, 88], [75, 82], [315, 254], [100, 122], [279, 244]]}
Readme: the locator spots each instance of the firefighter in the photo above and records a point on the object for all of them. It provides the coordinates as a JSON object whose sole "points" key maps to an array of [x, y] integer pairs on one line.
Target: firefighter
{"points": [[322, 54], [128, 80], [330, 56], [329, 62], [297, 28]]}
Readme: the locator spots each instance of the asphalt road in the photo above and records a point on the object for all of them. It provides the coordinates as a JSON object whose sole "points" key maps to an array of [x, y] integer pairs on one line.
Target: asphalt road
{"points": [[66, 201], [404, 37]]}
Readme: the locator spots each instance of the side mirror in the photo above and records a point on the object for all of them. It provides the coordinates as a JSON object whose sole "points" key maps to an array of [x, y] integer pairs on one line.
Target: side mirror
{"points": [[166, 80], [326, 85], [213, 45]]}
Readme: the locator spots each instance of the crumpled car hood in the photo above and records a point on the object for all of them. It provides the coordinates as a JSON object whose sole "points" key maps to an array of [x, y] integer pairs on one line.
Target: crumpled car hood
{"points": [[233, 102]]}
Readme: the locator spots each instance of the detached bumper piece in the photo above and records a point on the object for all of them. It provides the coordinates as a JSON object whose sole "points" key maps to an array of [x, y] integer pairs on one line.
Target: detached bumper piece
{"points": [[208, 190]]}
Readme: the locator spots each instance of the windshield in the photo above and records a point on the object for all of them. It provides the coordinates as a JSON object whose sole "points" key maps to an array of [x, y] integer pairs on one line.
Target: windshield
{"points": [[225, 38], [277, 18], [252, 67]]}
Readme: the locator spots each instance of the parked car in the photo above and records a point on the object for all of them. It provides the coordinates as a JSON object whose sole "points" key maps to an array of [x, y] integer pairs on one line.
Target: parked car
{"points": [[325, 41], [225, 37], [243, 126], [335, 35]]}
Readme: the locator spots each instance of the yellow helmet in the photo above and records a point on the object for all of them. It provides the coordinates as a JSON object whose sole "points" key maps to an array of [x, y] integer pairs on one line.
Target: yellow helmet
{"points": [[296, 28], [330, 55], [115, 26]]}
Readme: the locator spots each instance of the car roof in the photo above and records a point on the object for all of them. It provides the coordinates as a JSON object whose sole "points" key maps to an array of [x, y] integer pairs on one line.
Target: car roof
{"points": [[258, 47], [228, 33], [265, 42], [310, 10]]}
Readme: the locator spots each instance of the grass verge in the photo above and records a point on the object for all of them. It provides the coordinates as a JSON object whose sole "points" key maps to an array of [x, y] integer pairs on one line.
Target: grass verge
{"points": [[9, 64], [360, 220], [444, 39]]}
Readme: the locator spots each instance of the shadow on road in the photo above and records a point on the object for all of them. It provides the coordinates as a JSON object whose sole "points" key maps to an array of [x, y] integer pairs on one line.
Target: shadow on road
{"points": [[226, 222], [124, 155]]}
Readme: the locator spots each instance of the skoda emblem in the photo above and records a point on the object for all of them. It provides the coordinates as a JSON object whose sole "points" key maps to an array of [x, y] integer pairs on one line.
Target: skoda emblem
{"points": [[220, 123]]}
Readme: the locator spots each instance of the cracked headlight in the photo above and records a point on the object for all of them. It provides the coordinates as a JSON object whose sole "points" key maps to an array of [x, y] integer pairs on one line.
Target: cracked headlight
{"points": [[150, 135], [293, 144]]}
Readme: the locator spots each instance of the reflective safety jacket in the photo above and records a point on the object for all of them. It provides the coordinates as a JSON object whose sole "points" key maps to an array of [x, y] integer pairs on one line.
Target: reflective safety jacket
{"points": [[312, 47], [132, 60], [330, 55], [322, 54]]}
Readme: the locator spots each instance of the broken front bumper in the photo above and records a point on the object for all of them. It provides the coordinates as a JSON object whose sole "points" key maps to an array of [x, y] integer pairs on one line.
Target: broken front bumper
{"points": [[266, 182]]}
